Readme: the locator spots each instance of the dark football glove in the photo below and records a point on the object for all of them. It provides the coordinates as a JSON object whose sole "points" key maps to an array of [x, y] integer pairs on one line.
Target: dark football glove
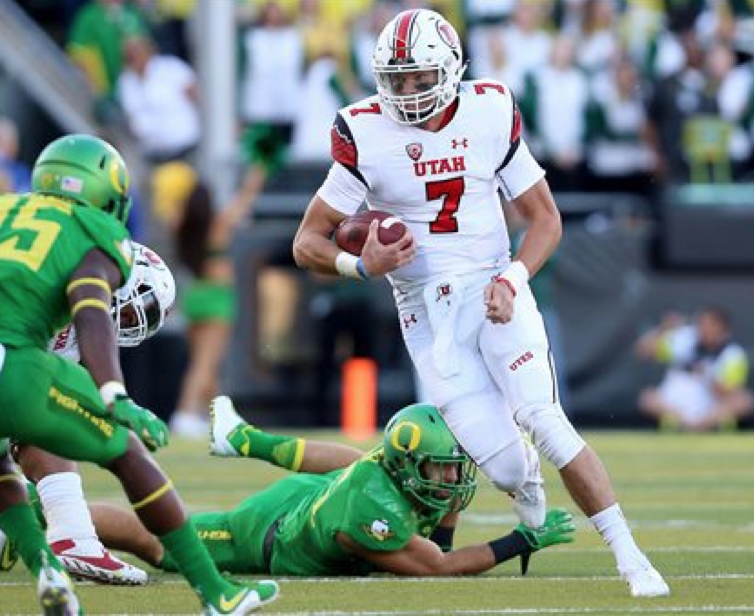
{"points": [[152, 431]]}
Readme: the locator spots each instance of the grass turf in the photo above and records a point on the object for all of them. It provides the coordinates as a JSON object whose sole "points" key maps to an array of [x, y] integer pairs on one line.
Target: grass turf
{"points": [[688, 498]]}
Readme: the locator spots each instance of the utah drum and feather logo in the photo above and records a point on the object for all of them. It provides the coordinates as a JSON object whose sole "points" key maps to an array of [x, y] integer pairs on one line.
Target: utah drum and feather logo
{"points": [[414, 151]]}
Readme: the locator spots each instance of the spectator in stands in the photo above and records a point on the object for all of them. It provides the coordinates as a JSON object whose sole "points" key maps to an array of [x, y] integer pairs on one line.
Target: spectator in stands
{"points": [[734, 89], [705, 386], [321, 89], [482, 12], [567, 15], [169, 24], [159, 96], [489, 56], [15, 175], [203, 240], [363, 39], [740, 111], [640, 26], [676, 102], [270, 84], [621, 153], [554, 103], [329, 81], [597, 39], [495, 48], [527, 31], [95, 44]]}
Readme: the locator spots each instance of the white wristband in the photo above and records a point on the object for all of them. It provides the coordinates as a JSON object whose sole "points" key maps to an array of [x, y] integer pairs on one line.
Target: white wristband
{"points": [[110, 390], [350, 266], [517, 275]]}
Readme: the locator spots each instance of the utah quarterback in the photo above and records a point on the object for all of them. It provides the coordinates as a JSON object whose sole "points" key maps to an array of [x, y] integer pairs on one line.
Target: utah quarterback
{"points": [[436, 151]]}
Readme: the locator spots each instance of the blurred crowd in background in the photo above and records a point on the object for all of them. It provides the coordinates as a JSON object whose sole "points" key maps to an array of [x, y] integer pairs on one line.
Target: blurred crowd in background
{"points": [[616, 95], [651, 90]]}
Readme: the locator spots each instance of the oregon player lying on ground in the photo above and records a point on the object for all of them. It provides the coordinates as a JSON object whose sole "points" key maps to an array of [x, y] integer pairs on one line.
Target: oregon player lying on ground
{"points": [[344, 513]]}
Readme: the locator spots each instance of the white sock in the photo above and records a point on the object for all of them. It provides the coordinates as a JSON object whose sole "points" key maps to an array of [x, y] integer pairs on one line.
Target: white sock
{"points": [[611, 524], [67, 515]]}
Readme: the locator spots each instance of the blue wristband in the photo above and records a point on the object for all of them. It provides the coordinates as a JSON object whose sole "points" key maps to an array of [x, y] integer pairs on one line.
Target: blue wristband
{"points": [[361, 270]]}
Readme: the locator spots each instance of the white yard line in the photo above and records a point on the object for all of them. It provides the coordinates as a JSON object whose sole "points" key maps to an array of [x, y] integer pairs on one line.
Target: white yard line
{"points": [[707, 609], [448, 580], [493, 519]]}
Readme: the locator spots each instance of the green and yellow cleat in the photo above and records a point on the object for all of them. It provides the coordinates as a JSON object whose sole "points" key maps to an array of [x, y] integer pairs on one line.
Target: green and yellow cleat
{"points": [[247, 600], [224, 422]]}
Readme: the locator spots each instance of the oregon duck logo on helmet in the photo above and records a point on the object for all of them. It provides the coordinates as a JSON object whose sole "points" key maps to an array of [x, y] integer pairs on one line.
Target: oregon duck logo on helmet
{"points": [[424, 459], [84, 169]]}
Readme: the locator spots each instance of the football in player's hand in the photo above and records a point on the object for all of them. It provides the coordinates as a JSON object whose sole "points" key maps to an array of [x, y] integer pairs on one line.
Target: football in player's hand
{"points": [[352, 232]]}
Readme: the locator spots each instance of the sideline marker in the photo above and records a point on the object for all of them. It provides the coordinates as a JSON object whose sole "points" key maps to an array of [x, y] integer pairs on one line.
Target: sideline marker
{"points": [[358, 416]]}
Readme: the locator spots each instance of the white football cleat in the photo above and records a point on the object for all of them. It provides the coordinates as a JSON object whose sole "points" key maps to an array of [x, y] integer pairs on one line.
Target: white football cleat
{"points": [[103, 568], [248, 599], [55, 591], [529, 500], [223, 421], [645, 582]]}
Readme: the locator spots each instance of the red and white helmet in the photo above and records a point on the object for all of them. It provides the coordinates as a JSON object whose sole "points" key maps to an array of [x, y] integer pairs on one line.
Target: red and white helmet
{"points": [[141, 305], [138, 308], [417, 41]]}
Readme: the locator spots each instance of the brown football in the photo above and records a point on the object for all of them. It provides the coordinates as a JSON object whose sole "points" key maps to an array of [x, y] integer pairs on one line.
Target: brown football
{"points": [[352, 232]]}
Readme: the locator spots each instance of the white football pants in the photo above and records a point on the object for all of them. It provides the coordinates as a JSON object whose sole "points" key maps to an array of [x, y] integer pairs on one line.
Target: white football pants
{"points": [[487, 379]]}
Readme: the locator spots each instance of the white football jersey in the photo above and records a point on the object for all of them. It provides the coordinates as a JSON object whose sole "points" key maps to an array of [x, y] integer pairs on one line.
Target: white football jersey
{"points": [[444, 185]]}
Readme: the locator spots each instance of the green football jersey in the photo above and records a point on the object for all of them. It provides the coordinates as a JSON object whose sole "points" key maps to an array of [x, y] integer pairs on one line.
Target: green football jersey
{"points": [[42, 241], [361, 501]]}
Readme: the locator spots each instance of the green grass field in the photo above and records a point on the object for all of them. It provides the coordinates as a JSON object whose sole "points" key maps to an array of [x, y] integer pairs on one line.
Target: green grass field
{"points": [[689, 499]]}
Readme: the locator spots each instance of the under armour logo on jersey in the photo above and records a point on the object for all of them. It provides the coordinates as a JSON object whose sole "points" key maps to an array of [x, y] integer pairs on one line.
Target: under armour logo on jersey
{"points": [[414, 151], [459, 143], [409, 320]]}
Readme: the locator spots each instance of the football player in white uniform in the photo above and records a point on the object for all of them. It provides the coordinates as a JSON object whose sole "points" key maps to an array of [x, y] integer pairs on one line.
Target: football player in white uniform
{"points": [[139, 309], [435, 151]]}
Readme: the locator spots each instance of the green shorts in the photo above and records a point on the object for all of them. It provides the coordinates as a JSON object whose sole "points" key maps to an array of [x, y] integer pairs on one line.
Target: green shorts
{"points": [[235, 539], [53, 403], [209, 301]]}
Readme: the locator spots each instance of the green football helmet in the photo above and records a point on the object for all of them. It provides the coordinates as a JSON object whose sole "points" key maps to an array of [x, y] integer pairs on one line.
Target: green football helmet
{"points": [[87, 170], [425, 460]]}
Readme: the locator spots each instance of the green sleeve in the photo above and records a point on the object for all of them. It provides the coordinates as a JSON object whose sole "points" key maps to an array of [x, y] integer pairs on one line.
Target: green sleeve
{"points": [[378, 516], [108, 235]]}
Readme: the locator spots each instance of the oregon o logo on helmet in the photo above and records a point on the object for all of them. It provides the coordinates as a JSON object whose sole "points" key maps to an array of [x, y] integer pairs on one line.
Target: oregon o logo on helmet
{"points": [[414, 436], [447, 34], [119, 177]]}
